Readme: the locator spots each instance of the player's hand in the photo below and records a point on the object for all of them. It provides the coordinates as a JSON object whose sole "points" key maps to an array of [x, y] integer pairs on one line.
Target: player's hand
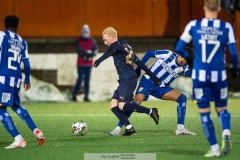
{"points": [[96, 63], [189, 59], [234, 72], [156, 81], [138, 72], [27, 86]]}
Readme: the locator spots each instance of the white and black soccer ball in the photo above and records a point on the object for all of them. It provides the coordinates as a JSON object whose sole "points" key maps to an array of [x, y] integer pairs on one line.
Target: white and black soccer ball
{"points": [[79, 128]]}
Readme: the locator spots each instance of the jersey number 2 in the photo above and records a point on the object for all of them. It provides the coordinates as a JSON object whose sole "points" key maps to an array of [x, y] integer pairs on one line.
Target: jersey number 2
{"points": [[16, 58], [204, 43]]}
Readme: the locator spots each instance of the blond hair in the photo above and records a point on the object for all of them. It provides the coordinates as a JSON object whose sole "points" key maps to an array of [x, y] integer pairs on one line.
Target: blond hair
{"points": [[110, 31], [212, 5]]}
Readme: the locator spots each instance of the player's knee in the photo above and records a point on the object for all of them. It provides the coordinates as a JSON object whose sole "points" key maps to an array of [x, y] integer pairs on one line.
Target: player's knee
{"points": [[182, 98], [20, 111], [4, 114]]}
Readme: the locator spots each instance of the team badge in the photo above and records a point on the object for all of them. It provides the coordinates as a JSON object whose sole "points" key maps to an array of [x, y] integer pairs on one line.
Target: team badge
{"points": [[6, 97], [180, 71], [140, 89]]}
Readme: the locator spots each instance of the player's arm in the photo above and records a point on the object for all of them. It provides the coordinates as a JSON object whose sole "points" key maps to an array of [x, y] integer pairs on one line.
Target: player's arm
{"points": [[185, 39], [27, 72], [180, 48], [141, 65], [107, 54], [187, 71], [146, 57], [234, 57]]}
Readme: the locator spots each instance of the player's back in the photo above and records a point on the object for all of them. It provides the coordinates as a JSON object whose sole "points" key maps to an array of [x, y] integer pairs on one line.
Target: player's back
{"points": [[121, 51], [13, 51], [210, 37]]}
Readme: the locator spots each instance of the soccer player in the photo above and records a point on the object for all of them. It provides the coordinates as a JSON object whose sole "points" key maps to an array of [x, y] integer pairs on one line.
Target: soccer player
{"points": [[210, 36], [167, 67], [122, 55], [13, 51]]}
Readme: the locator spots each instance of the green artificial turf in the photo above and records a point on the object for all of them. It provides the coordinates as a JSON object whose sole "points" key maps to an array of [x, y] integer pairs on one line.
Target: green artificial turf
{"points": [[55, 120]]}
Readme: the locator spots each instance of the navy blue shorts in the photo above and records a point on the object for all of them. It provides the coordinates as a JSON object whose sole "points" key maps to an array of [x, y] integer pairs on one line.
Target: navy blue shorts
{"points": [[124, 92], [147, 87]]}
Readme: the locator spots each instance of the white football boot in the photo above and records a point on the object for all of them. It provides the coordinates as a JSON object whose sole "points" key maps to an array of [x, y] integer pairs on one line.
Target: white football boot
{"points": [[114, 133], [212, 153], [40, 137], [184, 131], [17, 144]]}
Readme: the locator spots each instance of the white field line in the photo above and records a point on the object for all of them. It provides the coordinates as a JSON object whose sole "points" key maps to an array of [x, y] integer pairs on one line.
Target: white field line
{"points": [[108, 115]]}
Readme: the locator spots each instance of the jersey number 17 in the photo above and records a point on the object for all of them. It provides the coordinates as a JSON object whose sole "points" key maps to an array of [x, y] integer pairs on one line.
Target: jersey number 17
{"points": [[204, 43]]}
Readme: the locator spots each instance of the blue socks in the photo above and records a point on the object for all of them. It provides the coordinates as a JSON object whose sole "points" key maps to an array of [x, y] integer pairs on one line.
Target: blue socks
{"points": [[25, 116], [181, 108], [225, 119], [208, 128], [8, 123]]}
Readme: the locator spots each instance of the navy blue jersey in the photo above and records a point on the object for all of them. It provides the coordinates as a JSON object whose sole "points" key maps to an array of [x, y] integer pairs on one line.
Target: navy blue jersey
{"points": [[12, 52], [120, 50]]}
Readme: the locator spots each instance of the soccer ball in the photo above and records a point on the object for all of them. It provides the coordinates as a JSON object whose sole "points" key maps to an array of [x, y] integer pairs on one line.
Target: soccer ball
{"points": [[79, 128]]}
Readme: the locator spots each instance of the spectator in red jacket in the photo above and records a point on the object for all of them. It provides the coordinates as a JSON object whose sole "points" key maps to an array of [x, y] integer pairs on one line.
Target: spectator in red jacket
{"points": [[87, 49]]}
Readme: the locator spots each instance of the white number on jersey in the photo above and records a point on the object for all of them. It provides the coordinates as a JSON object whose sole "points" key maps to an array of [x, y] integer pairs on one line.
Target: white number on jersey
{"points": [[203, 42], [16, 58]]}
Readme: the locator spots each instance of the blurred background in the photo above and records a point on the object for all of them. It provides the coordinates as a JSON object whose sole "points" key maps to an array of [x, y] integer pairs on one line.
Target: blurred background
{"points": [[51, 28]]}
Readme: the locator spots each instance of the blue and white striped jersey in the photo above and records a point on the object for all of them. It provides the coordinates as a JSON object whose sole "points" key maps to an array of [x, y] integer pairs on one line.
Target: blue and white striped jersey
{"points": [[210, 38], [165, 67], [12, 52]]}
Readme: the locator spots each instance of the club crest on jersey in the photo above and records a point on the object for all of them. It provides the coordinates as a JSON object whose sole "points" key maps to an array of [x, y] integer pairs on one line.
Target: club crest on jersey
{"points": [[6, 97], [180, 71], [140, 89]]}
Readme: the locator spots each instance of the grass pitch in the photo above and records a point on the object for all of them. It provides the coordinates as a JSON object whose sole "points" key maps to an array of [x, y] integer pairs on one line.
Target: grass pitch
{"points": [[55, 120]]}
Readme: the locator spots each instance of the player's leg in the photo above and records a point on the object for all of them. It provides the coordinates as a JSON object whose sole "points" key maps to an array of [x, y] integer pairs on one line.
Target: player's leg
{"points": [[25, 116], [221, 94], [181, 100], [202, 94], [137, 100], [133, 107], [86, 83], [115, 108], [6, 99], [6, 120], [124, 95], [78, 83]]}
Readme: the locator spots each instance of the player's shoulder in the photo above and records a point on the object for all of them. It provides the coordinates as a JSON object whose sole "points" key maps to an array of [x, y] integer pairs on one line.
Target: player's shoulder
{"points": [[21, 39], [2, 34], [193, 22], [226, 24], [120, 45]]}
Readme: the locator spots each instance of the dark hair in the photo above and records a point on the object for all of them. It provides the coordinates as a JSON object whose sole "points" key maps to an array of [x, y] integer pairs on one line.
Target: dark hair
{"points": [[11, 21]]}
